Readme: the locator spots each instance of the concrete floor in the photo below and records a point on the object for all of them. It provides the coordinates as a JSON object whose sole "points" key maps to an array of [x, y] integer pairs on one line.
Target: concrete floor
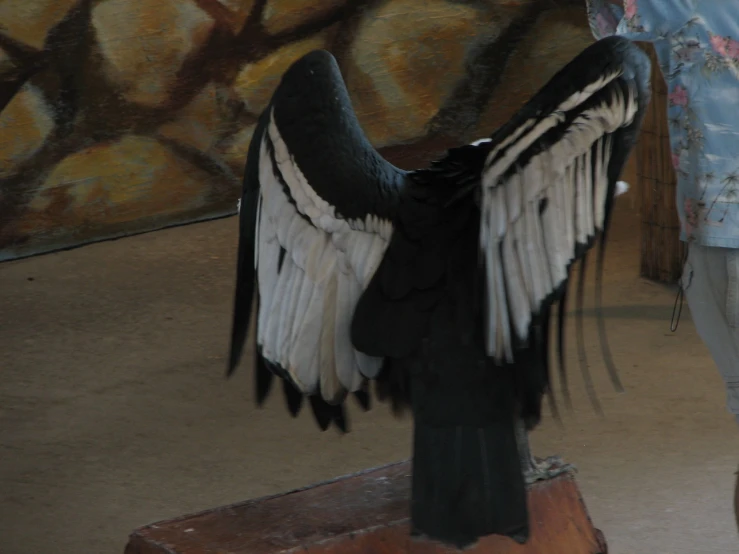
{"points": [[115, 412]]}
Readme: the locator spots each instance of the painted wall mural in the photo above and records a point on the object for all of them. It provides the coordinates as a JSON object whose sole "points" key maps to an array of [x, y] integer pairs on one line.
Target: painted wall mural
{"points": [[122, 116]]}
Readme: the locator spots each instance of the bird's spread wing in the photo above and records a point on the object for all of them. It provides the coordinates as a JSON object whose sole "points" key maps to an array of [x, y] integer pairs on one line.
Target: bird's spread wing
{"points": [[315, 218], [549, 180]]}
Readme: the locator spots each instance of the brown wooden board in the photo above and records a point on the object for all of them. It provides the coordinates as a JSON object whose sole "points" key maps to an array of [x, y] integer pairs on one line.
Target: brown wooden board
{"points": [[362, 513]]}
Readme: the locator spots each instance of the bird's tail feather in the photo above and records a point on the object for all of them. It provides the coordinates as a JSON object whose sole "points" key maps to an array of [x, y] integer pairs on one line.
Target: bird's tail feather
{"points": [[467, 483]]}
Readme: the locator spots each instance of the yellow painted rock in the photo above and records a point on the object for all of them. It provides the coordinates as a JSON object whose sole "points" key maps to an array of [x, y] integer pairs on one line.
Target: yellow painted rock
{"points": [[24, 125], [114, 183], [282, 15], [407, 59], [29, 21], [234, 153], [199, 123], [555, 39], [238, 11], [145, 47]]}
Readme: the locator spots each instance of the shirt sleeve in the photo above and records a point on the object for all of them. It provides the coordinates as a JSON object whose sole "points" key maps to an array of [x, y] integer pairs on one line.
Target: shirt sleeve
{"points": [[644, 20]]}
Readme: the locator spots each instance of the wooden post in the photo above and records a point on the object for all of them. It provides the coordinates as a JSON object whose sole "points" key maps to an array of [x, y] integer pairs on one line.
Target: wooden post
{"points": [[661, 251], [364, 513]]}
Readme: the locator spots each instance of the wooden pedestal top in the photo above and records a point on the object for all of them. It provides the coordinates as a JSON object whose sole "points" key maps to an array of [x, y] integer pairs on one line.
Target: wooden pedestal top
{"points": [[362, 513]]}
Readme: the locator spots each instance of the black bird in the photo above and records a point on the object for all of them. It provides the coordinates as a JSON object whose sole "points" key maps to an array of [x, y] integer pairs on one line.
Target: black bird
{"points": [[437, 284]]}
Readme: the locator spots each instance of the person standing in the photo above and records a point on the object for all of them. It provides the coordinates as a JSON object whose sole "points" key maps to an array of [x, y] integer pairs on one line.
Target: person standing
{"points": [[697, 45]]}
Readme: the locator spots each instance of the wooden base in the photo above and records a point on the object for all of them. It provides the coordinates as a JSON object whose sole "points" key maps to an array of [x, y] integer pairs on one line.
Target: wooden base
{"points": [[364, 513]]}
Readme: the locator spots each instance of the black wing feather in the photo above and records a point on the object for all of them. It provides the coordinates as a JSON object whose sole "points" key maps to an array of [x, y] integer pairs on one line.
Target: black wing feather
{"points": [[245, 270], [293, 397], [263, 378]]}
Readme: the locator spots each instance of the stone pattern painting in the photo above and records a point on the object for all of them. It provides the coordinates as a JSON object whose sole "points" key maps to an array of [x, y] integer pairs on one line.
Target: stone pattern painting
{"points": [[124, 116]]}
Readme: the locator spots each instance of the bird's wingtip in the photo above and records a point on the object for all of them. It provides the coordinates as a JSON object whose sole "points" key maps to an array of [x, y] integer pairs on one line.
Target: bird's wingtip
{"points": [[233, 362]]}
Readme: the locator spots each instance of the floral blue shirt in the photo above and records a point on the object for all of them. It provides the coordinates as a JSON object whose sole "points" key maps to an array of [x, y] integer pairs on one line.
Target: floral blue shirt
{"points": [[697, 43]]}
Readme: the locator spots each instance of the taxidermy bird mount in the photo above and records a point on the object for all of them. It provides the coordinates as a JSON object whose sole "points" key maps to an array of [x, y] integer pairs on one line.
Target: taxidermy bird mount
{"points": [[436, 284]]}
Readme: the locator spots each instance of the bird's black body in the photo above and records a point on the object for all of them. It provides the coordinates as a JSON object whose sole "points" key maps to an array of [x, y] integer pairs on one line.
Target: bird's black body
{"points": [[467, 479], [366, 272], [424, 311]]}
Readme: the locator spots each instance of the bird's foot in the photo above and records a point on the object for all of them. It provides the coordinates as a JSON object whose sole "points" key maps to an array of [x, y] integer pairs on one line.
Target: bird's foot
{"points": [[541, 470]]}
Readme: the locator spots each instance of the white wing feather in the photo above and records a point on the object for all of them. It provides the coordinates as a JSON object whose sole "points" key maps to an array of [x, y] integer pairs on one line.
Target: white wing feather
{"points": [[527, 250], [312, 268]]}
